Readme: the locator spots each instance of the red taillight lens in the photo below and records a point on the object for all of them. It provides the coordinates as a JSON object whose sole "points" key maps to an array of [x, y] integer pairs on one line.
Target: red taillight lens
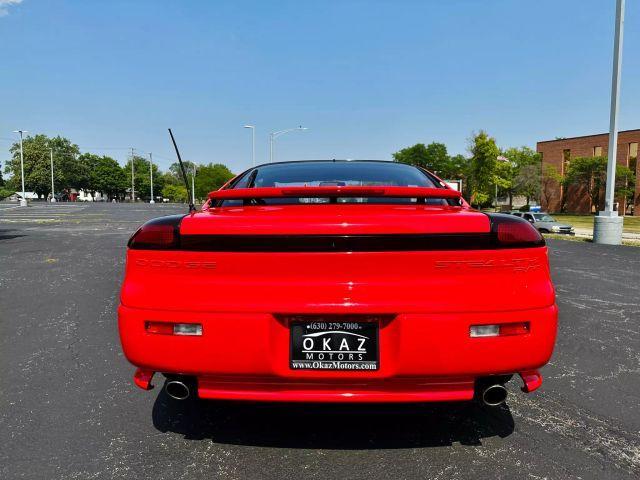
{"points": [[520, 328], [159, 328], [158, 234], [514, 232], [499, 330], [168, 328]]}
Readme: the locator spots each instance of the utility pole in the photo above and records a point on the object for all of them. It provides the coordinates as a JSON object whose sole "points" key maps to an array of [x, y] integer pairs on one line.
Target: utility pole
{"points": [[23, 201], [53, 190], [607, 225], [133, 194], [151, 176]]}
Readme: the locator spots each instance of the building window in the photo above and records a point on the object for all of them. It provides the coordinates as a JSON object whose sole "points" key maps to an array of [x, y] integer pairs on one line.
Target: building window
{"points": [[597, 151], [566, 160], [633, 156]]}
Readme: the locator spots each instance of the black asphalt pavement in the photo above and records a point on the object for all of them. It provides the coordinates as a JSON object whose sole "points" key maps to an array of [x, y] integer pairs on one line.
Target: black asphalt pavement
{"points": [[69, 409]]}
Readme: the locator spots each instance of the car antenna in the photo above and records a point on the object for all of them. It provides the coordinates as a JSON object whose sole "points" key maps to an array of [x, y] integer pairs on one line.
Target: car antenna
{"points": [[192, 207]]}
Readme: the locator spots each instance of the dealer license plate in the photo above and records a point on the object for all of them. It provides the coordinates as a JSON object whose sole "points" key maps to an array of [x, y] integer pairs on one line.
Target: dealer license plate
{"points": [[334, 345]]}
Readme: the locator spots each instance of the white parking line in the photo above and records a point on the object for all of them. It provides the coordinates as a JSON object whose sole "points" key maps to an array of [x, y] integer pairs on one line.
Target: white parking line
{"points": [[39, 213]]}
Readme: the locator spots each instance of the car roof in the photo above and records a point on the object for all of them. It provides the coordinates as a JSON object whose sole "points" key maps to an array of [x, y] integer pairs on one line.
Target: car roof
{"points": [[332, 160]]}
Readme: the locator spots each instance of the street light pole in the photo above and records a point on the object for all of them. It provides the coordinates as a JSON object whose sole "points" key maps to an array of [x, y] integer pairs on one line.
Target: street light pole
{"points": [[271, 147], [607, 225], [151, 176], [274, 135], [23, 201], [133, 193], [253, 143], [53, 190]]}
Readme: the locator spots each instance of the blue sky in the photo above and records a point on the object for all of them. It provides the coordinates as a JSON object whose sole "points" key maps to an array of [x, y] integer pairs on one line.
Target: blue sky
{"points": [[366, 77]]}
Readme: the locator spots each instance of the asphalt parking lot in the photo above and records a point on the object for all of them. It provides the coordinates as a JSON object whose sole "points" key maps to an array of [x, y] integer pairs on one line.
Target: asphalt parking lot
{"points": [[69, 409]]}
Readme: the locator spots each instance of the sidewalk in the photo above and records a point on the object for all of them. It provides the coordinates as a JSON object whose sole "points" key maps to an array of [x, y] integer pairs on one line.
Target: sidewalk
{"points": [[588, 233]]}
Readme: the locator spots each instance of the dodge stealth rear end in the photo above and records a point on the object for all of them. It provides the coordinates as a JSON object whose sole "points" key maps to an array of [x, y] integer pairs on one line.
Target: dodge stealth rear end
{"points": [[338, 282]]}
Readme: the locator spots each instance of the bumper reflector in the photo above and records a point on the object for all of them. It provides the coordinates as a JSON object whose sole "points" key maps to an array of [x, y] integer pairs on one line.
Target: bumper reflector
{"points": [[167, 328], [499, 330]]}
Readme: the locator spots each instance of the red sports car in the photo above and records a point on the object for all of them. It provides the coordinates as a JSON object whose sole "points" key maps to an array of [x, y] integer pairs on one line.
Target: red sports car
{"points": [[338, 281]]}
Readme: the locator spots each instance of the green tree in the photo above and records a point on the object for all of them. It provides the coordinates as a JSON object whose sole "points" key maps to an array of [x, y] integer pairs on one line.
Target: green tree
{"points": [[457, 167], [211, 177], [175, 193], [174, 169], [106, 177], [524, 173], [625, 183], [433, 157], [551, 180], [142, 177], [168, 178], [483, 170], [587, 173], [90, 161], [5, 191], [415, 155], [69, 171], [590, 174], [527, 182]]}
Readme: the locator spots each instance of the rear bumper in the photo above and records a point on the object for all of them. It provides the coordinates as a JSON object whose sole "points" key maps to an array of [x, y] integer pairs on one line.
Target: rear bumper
{"points": [[409, 390], [412, 390], [423, 357]]}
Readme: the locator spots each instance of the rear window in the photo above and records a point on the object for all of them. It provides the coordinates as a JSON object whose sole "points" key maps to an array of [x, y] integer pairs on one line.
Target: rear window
{"points": [[339, 173]]}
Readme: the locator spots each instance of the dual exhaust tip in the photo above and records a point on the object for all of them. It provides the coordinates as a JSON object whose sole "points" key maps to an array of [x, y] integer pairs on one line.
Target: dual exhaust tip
{"points": [[491, 395]]}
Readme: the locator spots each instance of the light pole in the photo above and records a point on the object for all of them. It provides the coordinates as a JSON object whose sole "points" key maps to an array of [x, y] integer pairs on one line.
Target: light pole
{"points": [[253, 143], [607, 225], [133, 193], [23, 200], [53, 190], [151, 176], [275, 135]]}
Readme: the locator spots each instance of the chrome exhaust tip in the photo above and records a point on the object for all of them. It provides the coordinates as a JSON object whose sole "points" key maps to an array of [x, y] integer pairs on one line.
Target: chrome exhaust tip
{"points": [[177, 390], [494, 395]]}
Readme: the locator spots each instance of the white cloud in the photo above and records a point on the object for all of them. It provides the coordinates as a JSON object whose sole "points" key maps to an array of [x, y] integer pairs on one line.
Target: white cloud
{"points": [[5, 4]]}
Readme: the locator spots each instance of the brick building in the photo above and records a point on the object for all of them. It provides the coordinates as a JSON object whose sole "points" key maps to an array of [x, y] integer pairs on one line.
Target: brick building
{"points": [[558, 153]]}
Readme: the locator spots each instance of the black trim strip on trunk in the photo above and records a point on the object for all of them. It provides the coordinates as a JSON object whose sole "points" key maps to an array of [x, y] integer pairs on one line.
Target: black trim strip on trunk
{"points": [[343, 243]]}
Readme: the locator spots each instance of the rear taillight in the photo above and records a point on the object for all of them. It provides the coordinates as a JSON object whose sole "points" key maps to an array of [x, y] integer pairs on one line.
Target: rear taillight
{"points": [[514, 232], [161, 233], [499, 330], [168, 328]]}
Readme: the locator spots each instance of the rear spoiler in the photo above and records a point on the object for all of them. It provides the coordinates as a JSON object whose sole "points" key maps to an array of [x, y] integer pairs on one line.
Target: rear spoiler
{"points": [[334, 192]]}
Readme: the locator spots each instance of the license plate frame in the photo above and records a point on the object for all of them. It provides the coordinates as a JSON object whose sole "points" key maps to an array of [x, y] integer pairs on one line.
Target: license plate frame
{"points": [[334, 345]]}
